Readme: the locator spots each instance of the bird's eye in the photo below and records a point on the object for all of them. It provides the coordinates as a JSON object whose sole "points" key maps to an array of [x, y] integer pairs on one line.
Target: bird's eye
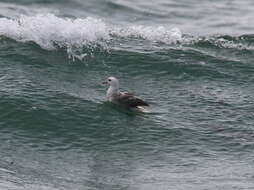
{"points": [[109, 80]]}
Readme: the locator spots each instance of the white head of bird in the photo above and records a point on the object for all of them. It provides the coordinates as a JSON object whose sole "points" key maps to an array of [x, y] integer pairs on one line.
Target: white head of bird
{"points": [[113, 87]]}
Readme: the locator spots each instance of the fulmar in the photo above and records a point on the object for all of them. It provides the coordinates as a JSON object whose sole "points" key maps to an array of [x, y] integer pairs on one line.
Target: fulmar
{"points": [[125, 99]]}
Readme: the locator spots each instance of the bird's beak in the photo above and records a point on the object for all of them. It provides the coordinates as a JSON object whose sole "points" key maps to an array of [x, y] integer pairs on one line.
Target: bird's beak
{"points": [[105, 82]]}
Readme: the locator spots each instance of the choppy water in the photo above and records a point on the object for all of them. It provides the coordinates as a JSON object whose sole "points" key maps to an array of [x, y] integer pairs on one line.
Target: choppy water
{"points": [[191, 60]]}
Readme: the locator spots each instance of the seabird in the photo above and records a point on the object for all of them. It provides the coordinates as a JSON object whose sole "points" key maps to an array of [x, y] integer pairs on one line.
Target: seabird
{"points": [[124, 99]]}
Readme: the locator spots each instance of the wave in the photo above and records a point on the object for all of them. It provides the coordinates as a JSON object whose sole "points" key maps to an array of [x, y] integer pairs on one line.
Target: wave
{"points": [[155, 34], [242, 42], [81, 37], [51, 32]]}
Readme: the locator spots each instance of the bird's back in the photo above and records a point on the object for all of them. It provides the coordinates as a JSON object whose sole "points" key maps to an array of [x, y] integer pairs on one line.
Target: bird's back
{"points": [[129, 100]]}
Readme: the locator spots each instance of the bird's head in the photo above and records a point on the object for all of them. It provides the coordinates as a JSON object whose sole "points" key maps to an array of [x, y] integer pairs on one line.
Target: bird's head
{"points": [[112, 81]]}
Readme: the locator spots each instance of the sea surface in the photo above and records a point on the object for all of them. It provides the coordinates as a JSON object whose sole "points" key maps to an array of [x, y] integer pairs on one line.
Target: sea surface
{"points": [[191, 60]]}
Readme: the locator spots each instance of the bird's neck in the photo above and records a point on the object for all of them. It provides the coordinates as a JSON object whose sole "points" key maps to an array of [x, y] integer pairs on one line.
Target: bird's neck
{"points": [[112, 91]]}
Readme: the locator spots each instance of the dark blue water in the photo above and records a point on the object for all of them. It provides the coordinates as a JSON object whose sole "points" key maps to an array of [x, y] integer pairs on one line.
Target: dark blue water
{"points": [[191, 60]]}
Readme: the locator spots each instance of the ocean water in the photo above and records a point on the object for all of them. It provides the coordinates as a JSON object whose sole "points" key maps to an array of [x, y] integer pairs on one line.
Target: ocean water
{"points": [[192, 60]]}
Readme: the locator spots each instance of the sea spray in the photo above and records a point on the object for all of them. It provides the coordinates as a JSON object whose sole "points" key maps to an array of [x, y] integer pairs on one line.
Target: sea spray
{"points": [[81, 35]]}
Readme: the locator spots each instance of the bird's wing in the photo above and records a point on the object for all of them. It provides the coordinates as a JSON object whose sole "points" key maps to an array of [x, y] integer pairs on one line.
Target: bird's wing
{"points": [[130, 100], [126, 93]]}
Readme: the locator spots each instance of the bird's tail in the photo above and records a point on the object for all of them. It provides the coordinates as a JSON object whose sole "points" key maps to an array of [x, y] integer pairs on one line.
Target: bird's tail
{"points": [[143, 109]]}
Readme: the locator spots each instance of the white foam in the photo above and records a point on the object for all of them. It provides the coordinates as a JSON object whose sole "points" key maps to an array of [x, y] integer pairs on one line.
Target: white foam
{"points": [[48, 30], [51, 32], [219, 42], [155, 34], [232, 45]]}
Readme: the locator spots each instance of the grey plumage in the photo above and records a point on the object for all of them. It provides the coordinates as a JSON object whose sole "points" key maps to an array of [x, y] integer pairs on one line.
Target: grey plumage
{"points": [[122, 98], [130, 100]]}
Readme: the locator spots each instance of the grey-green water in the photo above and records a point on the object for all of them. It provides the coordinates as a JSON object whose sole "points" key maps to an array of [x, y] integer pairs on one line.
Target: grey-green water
{"points": [[191, 60]]}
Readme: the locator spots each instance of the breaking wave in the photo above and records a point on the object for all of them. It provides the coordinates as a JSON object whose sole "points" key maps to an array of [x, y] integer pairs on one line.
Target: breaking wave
{"points": [[51, 32], [80, 36]]}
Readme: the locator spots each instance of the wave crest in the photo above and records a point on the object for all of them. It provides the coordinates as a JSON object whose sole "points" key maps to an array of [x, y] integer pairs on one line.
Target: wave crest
{"points": [[243, 42], [155, 34], [52, 32], [49, 31]]}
